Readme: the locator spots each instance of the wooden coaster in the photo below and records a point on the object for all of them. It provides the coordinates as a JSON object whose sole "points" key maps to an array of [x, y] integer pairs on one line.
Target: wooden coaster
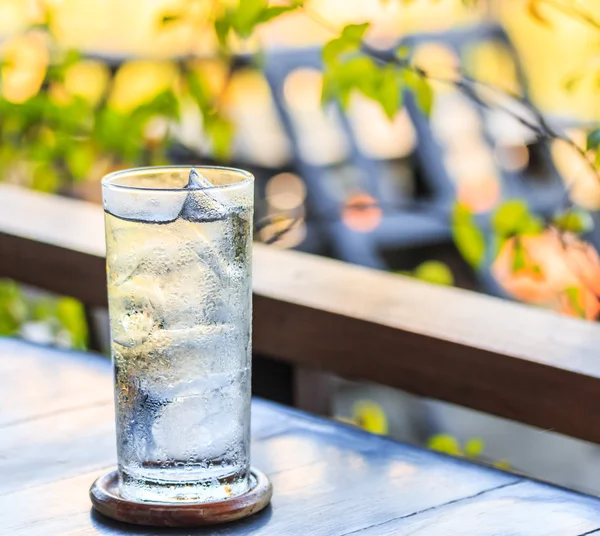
{"points": [[107, 500]]}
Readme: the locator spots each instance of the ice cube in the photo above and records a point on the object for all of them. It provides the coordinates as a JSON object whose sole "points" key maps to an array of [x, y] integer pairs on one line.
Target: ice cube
{"points": [[146, 206], [201, 205], [167, 354], [204, 421], [133, 310]]}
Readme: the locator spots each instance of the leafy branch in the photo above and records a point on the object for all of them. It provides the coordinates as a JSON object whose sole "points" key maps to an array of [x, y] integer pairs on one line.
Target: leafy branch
{"points": [[351, 64]]}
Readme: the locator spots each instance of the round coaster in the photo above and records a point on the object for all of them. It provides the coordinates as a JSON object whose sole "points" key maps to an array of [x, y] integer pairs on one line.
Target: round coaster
{"points": [[107, 500]]}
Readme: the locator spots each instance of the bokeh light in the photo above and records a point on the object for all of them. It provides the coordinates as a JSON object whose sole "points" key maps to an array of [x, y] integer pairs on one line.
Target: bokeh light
{"points": [[87, 79], [320, 134], [285, 191], [512, 157], [362, 213], [479, 194], [260, 137], [25, 59], [137, 82], [492, 63], [377, 136], [437, 60]]}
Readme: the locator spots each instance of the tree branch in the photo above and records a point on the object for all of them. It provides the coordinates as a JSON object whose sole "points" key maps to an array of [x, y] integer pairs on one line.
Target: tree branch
{"points": [[467, 85]]}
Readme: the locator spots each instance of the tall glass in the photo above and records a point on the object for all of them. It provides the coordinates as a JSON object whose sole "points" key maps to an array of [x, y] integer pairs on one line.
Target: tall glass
{"points": [[178, 263]]}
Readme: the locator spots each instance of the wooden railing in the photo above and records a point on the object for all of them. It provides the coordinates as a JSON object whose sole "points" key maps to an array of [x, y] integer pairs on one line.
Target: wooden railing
{"points": [[312, 313]]}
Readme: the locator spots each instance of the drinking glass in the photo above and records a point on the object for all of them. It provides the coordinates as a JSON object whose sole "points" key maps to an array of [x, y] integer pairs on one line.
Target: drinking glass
{"points": [[179, 291]]}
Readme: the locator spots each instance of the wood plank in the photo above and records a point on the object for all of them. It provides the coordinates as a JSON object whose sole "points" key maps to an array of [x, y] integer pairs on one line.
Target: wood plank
{"points": [[503, 358], [56, 447], [53, 243], [82, 440], [528, 508], [329, 480], [37, 381]]}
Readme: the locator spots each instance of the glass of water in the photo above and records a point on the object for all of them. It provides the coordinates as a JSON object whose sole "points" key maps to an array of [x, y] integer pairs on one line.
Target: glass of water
{"points": [[179, 272]]}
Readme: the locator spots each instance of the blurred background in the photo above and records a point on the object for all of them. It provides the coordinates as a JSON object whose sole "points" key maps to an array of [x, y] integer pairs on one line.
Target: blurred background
{"points": [[88, 87]]}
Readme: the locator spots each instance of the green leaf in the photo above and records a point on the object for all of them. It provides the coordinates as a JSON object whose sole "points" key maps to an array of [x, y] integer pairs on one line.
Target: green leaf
{"points": [[389, 94], [349, 41], [13, 307], [593, 139], [359, 73], [421, 89], [474, 447], [509, 217], [519, 259], [574, 221], [355, 32], [467, 236], [45, 178], [247, 16], [273, 12], [424, 95], [573, 297], [222, 26], [220, 132], [71, 315], [71, 57], [79, 159], [435, 272], [445, 443], [513, 218], [335, 48], [199, 90], [43, 309]]}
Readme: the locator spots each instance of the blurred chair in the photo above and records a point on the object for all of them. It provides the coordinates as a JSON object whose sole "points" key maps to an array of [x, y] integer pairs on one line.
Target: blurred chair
{"points": [[420, 218]]}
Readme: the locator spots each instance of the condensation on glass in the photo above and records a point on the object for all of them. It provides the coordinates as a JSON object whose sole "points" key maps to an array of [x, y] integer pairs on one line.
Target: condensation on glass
{"points": [[179, 288]]}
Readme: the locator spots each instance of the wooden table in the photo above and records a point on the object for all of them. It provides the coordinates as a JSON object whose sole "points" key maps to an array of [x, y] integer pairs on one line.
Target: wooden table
{"points": [[57, 435]]}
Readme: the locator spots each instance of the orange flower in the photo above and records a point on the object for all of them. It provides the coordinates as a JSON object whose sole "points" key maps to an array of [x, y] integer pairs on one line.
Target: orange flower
{"points": [[558, 272]]}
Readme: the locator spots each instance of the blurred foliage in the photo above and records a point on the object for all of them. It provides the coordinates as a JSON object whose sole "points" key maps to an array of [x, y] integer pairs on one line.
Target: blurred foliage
{"points": [[435, 272], [351, 67], [575, 221], [13, 309], [369, 416], [62, 120], [468, 238], [472, 448], [45, 319]]}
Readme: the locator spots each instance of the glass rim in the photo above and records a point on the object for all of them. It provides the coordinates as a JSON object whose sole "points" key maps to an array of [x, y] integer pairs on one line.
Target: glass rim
{"points": [[106, 181]]}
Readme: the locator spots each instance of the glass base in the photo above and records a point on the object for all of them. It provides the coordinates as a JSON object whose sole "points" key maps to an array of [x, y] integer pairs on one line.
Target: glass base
{"points": [[181, 483]]}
